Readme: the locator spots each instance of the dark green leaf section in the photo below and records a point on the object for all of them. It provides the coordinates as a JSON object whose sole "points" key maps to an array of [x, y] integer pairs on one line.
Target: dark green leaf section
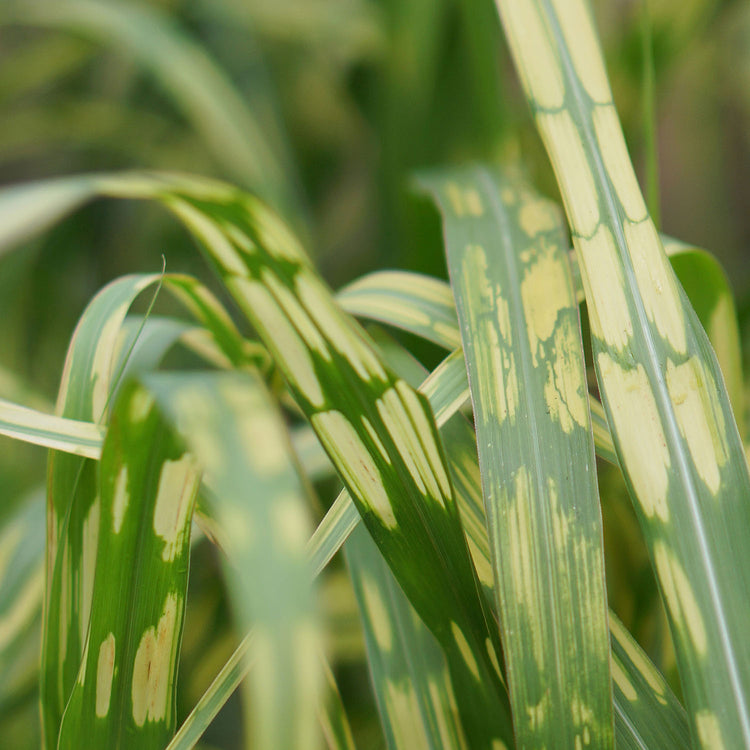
{"points": [[378, 431], [139, 528], [408, 670], [259, 512], [507, 258]]}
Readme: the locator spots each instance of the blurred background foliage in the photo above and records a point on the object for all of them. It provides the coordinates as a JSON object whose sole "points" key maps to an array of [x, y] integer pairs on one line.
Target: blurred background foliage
{"points": [[326, 108]]}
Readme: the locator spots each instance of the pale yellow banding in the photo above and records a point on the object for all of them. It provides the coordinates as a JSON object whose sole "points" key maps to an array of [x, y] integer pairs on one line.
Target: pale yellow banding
{"points": [[492, 654], [680, 598], [239, 238], [520, 558], [282, 339], [375, 439], [617, 161], [105, 671], [121, 498], [544, 291], [378, 614], [481, 562], [571, 168], [709, 731], [274, 235], [605, 291], [25, 605], [443, 699], [640, 434], [396, 420], [355, 463], [335, 327], [582, 44], [178, 482], [152, 668], [403, 706], [537, 216], [210, 233], [499, 745], [700, 425], [536, 60], [296, 314], [427, 288], [656, 283], [623, 682], [639, 660], [101, 366], [289, 523], [473, 202], [580, 712], [536, 715], [565, 389], [89, 549], [449, 335], [260, 430], [425, 434], [465, 650], [140, 405], [197, 418]]}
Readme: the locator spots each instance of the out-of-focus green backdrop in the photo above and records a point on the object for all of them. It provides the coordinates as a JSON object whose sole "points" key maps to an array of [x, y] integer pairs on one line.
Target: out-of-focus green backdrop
{"points": [[326, 108]]}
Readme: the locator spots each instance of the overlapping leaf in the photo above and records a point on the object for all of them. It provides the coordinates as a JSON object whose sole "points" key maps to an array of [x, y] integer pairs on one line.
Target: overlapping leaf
{"points": [[662, 388]]}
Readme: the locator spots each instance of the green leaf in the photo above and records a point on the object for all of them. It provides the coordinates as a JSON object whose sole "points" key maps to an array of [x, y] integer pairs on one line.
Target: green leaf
{"points": [[139, 526], [507, 258], [662, 388], [238, 437]]}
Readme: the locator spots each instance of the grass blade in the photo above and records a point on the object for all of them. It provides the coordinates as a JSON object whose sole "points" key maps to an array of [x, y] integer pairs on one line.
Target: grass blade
{"points": [[682, 455], [507, 257]]}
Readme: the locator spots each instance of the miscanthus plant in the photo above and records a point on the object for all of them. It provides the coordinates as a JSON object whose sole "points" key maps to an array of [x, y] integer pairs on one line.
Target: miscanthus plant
{"points": [[470, 511]]}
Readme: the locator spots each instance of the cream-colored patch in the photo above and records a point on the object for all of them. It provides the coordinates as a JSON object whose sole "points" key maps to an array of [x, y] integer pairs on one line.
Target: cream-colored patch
{"points": [[240, 239], [465, 201], [425, 433], [447, 715], [105, 671], [709, 731], [261, 431], [465, 650], [378, 614], [210, 233], [407, 723], [536, 715], [565, 389], [120, 499], [537, 216], [623, 682], [296, 314], [90, 543], [449, 336], [375, 439], [101, 365], [481, 563], [640, 434], [701, 426], [656, 283], [336, 327], [617, 161], [605, 291], [140, 405], [178, 483], [572, 169], [544, 291], [197, 418], [355, 463], [641, 662], [499, 745], [281, 338], [152, 668], [289, 523], [534, 51], [25, 605], [493, 659], [680, 598], [274, 235]]}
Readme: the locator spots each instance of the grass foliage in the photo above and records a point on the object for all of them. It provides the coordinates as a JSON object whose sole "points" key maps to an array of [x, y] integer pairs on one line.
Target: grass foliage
{"points": [[545, 533]]}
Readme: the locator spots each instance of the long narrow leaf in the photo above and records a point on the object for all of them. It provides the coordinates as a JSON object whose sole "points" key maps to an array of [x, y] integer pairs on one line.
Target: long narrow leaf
{"points": [[662, 388]]}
